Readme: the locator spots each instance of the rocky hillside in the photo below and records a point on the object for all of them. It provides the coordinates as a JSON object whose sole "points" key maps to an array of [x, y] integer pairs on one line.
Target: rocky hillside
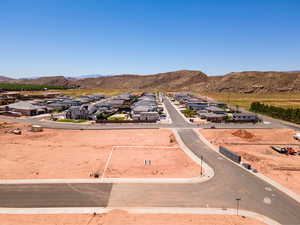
{"points": [[5, 79], [184, 80], [165, 81], [55, 80], [256, 82]]}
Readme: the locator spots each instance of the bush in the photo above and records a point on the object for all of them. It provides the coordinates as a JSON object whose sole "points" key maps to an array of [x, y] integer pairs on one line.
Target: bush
{"points": [[289, 114], [29, 87], [102, 116], [189, 113]]}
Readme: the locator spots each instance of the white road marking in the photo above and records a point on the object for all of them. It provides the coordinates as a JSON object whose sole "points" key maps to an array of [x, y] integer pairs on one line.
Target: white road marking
{"points": [[267, 200], [268, 189], [107, 162]]}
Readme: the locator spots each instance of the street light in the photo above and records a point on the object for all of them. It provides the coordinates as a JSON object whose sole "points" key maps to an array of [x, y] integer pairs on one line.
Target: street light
{"points": [[237, 205], [201, 164]]}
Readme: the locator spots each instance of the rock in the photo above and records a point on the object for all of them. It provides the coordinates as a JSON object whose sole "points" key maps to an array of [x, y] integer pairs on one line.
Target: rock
{"points": [[17, 131], [36, 128]]}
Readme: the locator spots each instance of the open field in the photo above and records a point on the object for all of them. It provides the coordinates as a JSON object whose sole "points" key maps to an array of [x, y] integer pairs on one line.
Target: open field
{"points": [[80, 91], [118, 217], [254, 147], [127, 162], [77, 154], [284, 100]]}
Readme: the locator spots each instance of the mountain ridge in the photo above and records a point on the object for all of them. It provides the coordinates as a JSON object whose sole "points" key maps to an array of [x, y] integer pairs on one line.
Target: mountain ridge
{"points": [[182, 80]]}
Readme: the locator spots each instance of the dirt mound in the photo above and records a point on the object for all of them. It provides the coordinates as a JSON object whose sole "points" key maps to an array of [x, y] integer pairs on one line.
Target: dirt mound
{"points": [[243, 134]]}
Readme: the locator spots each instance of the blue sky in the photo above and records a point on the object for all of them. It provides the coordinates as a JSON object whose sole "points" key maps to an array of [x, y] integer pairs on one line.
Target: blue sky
{"points": [[74, 37]]}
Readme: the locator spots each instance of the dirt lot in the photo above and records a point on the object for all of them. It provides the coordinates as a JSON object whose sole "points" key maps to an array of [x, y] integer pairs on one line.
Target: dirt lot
{"points": [[129, 162], [77, 154], [118, 217], [281, 168]]}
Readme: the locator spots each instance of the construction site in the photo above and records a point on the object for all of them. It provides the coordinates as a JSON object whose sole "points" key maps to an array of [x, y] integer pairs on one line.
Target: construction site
{"points": [[49, 154], [272, 152]]}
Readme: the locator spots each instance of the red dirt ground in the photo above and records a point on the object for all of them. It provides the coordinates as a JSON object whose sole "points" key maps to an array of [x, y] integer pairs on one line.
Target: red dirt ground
{"points": [[76, 154], [165, 162], [281, 168], [118, 217]]}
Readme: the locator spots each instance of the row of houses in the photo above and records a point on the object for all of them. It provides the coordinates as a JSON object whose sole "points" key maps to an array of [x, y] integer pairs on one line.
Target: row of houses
{"points": [[41, 106], [104, 107], [213, 111], [146, 108]]}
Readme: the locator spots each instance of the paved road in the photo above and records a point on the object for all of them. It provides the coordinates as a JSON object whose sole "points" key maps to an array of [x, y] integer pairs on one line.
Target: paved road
{"points": [[230, 181]]}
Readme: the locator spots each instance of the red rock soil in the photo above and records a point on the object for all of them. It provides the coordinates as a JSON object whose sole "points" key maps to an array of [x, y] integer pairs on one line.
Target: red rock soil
{"points": [[76, 154], [118, 217], [281, 168]]}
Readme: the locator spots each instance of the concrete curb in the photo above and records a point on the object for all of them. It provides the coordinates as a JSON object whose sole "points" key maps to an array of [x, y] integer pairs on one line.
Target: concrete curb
{"points": [[159, 210], [168, 115], [208, 171], [280, 187]]}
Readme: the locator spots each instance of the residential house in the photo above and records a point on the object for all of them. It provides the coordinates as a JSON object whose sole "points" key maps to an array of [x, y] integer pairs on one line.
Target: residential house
{"points": [[77, 112], [26, 108], [244, 117], [214, 109]]}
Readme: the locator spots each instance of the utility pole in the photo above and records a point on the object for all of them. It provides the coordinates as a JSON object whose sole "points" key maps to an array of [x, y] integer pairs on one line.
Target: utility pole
{"points": [[237, 205], [201, 164]]}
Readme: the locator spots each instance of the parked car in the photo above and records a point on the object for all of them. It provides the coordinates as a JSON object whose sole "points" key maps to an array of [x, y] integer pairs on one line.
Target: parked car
{"points": [[297, 136]]}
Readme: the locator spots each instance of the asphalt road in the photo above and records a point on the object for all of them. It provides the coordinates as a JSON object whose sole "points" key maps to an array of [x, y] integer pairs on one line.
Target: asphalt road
{"points": [[230, 182]]}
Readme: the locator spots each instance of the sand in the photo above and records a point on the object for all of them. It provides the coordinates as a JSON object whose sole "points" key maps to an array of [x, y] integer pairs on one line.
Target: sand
{"points": [[118, 217], [128, 162], [77, 154], [279, 167]]}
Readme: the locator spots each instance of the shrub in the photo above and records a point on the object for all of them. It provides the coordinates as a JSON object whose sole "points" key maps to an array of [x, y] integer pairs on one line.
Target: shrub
{"points": [[289, 114], [189, 113]]}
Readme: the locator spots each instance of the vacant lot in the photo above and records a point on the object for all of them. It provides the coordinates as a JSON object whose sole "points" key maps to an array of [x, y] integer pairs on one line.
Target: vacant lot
{"points": [[118, 217], [77, 154], [254, 147], [164, 162]]}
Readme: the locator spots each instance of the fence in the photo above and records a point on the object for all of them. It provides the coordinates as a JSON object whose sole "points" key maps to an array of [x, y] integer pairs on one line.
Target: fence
{"points": [[125, 121], [234, 157]]}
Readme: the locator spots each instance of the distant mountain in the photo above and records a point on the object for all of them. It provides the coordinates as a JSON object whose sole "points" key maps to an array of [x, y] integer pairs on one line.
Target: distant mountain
{"points": [[182, 80], [294, 71], [5, 79], [256, 82]]}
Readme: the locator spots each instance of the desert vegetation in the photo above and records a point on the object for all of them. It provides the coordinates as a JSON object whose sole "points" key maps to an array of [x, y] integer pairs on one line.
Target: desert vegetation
{"points": [[283, 100], [288, 114], [30, 87]]}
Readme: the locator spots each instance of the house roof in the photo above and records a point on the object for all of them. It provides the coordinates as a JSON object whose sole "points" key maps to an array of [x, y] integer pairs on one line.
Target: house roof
{"points": [[243, 114], [114, 102], [144, 108], [214, 108], [25, 105]]}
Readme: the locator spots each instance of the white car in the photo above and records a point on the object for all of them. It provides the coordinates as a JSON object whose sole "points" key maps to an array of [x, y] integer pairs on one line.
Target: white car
{"points": [[297, 136]]}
